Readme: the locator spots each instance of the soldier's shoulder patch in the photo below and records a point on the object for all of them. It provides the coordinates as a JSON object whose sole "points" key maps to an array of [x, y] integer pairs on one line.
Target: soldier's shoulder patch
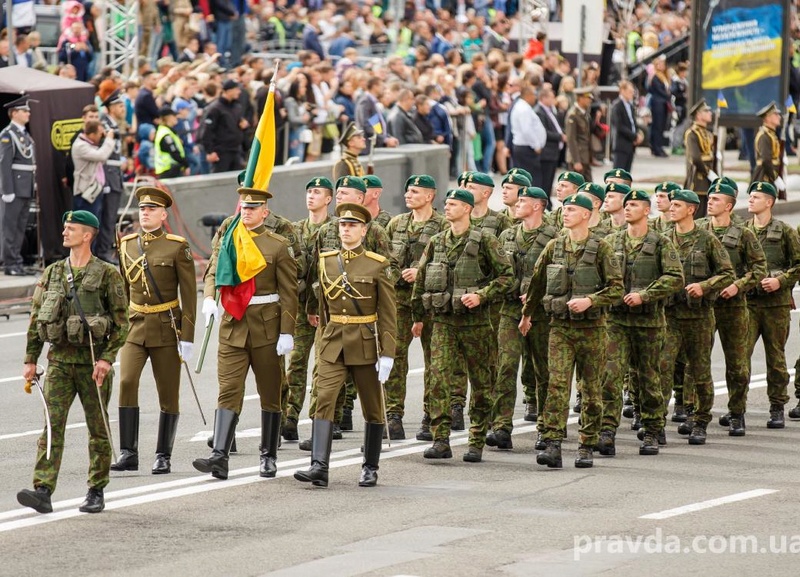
{"points": [[673, 254], [5, 140], [119, 291], [188, 253], [129, 237], [329, 253], [375, 256], [175, 237], [291, 251]]}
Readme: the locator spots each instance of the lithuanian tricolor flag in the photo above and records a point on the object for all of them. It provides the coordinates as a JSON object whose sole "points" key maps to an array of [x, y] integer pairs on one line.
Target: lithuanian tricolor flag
{"points": [[239, 259]]}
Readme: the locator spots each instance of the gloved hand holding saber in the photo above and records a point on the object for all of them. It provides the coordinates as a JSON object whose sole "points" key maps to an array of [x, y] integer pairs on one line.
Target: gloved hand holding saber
{"points": [[211, 315]]}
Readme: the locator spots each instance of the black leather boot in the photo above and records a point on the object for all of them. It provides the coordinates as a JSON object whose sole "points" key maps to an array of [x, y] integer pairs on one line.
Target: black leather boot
{"points": [[424, 433], [321, 440], [270, 435], [94, 502], [210, 443], [224, 430], [167, 427], [128, 440], [290, 429], [39, 499], [551, 456], [373, 439]]}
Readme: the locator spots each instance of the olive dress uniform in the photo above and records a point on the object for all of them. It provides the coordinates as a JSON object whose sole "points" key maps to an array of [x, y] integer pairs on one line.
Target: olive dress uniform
{"points": [[699, 144], [348, 165], [579, 131], [157, 268]]}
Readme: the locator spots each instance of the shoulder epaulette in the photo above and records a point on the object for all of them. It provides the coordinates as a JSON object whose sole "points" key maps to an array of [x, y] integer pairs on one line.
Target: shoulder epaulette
{"points": [[375, 256], [329, 253], [175, 237], [129, 236]]}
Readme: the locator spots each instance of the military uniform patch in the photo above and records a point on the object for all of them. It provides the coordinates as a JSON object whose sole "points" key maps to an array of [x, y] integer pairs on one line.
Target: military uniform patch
{"points": [[188, 252]]}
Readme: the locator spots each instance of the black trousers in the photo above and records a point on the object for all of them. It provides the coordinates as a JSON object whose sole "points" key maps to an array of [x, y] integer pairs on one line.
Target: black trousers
{"points": [[527, 158], [228, 161], [623, 159]]}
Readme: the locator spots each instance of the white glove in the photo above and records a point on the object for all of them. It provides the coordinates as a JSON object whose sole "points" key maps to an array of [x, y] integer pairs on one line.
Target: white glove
{"points": [[384, 368], [185, 349], [712, 176], [285, 344], [8, 198], [779, 184], [719, 155], [210, 309]]}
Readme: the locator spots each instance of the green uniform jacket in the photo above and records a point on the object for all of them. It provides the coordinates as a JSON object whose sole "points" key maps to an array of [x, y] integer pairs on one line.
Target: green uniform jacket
{"points": [[504, 222], [752, 263], [306, 232], [787, 276], [407, 251]]}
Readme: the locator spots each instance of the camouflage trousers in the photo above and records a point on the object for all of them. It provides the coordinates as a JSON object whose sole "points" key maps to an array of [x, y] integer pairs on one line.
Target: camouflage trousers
{"points": [[511, 347], [693, 338], [634, 351], [772, 325], [583, 349], [340, 400], [458, 389], [454, 346], [396, 385], [63, 382], [297, 372], [539, 336], [732, 324]]}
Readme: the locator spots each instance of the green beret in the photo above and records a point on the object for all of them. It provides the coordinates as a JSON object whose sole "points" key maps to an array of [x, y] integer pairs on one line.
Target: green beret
{"points": [[720, 187], [532, 192], [765, 187], [575, 178], [462, 178], [83, 217], [579, 200], [351, 182], [319, 182], [593, 189], [372, 181], [521, 171], [726, 180], [462, 195], [481, 178], [685, 195], [516, 178], [421, 180], [636, 195], [668, 186], [618, 173], [618, 188], [352, 212]]}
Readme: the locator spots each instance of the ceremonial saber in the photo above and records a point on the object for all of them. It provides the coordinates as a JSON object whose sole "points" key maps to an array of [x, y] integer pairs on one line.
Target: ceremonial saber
{"points": [[206, 337], [40, 390]]}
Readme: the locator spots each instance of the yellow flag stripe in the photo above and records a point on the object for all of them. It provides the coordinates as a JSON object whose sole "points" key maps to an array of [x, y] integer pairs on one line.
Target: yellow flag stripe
{"points": [[249, 260]]}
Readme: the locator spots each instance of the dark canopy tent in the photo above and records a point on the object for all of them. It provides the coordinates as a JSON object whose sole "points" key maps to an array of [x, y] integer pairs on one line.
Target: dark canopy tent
{"points": [[55, 117]]}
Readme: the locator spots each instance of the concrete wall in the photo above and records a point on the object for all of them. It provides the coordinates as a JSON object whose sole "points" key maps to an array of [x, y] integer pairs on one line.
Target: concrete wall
{"points": [[196, 196]]}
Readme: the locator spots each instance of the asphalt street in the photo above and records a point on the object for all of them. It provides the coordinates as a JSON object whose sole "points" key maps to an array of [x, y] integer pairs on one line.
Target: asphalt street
{"points": [[729, 507]]}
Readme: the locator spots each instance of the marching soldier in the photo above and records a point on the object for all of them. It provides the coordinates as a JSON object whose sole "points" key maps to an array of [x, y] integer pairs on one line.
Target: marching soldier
{"points": [[768, 150], [576, 278], [690, 313], [699, 144], [730, 310], [613, 205], [769, 305], [512, 183], [352, 142], [662, 224], [17, 182], [579, 131], [157, 268], [618, 176], [409, 234], [257, 339], [114, 114], [462, 271], [651, 272], [75, 297], [523, 243], [357, 327], [567, 185], [319, 193], [372, 200]]}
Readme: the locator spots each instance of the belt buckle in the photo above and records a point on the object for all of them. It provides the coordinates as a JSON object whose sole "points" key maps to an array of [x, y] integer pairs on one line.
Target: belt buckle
{"points": [[146, 308], [345, 319]]}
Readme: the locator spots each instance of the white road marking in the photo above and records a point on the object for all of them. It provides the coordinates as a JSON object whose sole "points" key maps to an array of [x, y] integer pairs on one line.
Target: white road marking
{"points": [[39, 431], [6, 335], [709, 504]]}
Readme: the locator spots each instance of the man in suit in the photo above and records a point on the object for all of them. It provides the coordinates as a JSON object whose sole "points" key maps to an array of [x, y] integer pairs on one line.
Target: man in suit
{"points": [[401, 120], [624, 137], [368, 116], [556, 139], [528, 134]]}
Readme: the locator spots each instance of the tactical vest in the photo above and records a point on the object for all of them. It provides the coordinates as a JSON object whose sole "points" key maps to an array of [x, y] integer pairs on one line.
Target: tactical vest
{"points": [[695, 270], [564, 284], [382, 219], [447, 281], [642, 272], [331, 240], [776, 258], [525, 259], [490, 224], [58, 321], [407, 250], [731, 240], [163, 159]]}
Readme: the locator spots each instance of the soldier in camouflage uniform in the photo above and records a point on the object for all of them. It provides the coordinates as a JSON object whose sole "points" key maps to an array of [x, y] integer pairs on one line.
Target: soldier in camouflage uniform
{"points": [[576, 278], [795, 412], [56, 319], [567, 185], [613, 205], [730, 311], [372, 200], [319, 193], [523, 243], [690, 313], [618, 176], [599, 226], [651, 272], [661, 223], [461, 271], [409, 234], [769, 305], [511, 184]]}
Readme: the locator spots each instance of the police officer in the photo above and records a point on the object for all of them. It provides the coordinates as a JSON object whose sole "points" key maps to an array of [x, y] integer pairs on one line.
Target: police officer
{"points": [[690, 313], [768, 149], [75, 297], [170, 157], [651, 273], [113, 115], [353, 142], [409, 234], [575, 279], [579, 131], [372, 200], [357, 326], [17, 182], [523, 243], [255, 336], [769, 305], [699, 144], [462, 271]]}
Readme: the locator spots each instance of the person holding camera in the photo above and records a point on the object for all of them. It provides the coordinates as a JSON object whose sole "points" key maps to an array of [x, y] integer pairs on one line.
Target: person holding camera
{"points": [[90, 151]]}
